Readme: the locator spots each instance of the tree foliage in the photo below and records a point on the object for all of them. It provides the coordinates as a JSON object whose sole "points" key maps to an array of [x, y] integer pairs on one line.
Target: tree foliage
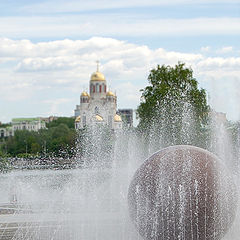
{"points": [[58, 139], [62, 120], [173, 110], [4, 162]]}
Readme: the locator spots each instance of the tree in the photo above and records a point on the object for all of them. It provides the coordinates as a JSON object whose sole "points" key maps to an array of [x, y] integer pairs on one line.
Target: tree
{"points": [[172, 110], [56, 140], [69, 121], [4, 163]]}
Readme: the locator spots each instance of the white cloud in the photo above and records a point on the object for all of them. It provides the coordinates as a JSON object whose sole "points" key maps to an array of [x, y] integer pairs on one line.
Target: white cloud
{"points": [[60, 70], [224, 50], [170, 57], [46, 64], [130, 92], [54, 106], [205, 49], [220, 63], [114, 25]]}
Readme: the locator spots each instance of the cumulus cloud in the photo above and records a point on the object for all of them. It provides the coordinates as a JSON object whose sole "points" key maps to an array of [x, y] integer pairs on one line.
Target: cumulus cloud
{"points": [[46, 64], [61, 70], [214, 63], [130, 91]]}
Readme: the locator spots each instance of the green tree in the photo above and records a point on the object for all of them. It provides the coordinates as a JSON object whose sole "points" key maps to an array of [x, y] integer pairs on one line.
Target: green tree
{"points": [[35, 148], [173, 110], [54, 141], [69, 121], [61, 139], [5, 165]]}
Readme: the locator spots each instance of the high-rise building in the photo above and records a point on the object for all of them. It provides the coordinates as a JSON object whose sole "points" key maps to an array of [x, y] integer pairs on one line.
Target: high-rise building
{"points": [[127, 116]]}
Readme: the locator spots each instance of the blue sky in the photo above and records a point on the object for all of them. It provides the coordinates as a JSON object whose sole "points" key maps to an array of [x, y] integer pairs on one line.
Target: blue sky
{"points": [[48, 50]]}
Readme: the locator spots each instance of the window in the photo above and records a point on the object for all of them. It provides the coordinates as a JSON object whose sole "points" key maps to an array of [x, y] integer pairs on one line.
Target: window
{"points": [[97, 87], [2, 133]]}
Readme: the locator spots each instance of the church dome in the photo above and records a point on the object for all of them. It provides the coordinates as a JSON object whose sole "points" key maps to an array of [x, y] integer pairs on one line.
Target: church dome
{"points": [[97, 76], [84, 94], [109, 93], [78, 119], [117, 118], [98, 118]]}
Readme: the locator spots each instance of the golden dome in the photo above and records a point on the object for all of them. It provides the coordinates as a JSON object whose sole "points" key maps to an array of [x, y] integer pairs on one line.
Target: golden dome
{"points": [[98, 118], [97, 76], [109, 93], [84, 94], [117, 118], [78, 119]]}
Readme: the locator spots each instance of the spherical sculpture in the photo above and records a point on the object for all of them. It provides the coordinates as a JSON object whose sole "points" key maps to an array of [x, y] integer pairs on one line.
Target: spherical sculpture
{"points": [[182, 192]]}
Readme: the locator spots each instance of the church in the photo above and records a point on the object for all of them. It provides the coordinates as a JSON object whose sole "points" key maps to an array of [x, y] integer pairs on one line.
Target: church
{"points": [[99, 106]]}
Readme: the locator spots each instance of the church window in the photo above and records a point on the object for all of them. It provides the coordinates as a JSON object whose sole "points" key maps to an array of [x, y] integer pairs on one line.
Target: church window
{"points": [[104, 87], [97, 88], [93, 89], [100, 88]]}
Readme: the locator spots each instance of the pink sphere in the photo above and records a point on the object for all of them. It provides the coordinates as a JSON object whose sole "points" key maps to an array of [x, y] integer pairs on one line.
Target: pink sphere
{"points": [[182, 192]]}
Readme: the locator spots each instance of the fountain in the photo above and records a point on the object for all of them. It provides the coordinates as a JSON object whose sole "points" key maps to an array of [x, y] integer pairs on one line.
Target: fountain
{"points": [[182, 192], [91, 202]]}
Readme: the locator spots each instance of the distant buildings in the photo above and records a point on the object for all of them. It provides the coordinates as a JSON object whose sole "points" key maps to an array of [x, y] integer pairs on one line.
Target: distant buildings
{"points": [[99, 106], [127, 116], [6, 131], [30, 124], [49, 119]]}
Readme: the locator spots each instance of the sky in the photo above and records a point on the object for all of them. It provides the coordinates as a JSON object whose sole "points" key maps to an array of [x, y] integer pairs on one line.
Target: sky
{"points": [[49, 49]]}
